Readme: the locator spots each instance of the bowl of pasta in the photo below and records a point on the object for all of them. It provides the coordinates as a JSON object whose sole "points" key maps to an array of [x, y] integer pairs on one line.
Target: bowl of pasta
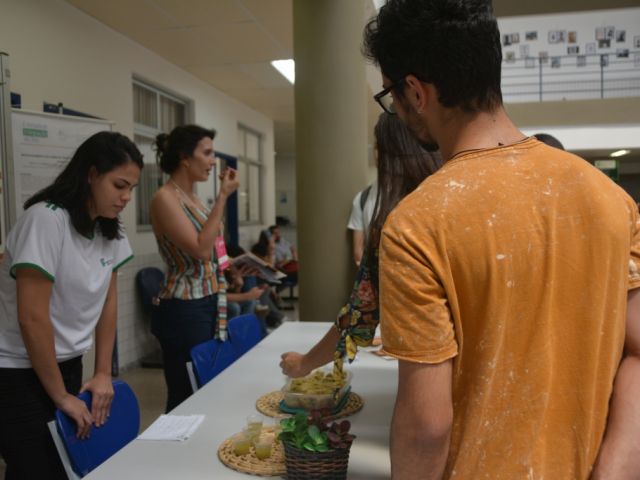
{"points": [[320, 389]]}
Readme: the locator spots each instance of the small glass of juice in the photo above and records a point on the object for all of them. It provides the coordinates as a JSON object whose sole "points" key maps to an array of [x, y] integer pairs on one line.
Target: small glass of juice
{"points": [[263, 446], [254, 425], [241, 443]]}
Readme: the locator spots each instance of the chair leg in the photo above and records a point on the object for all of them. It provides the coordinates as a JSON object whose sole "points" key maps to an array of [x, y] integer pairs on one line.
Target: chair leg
{"points": [[192, 377], [62, 451], [291, 295]]}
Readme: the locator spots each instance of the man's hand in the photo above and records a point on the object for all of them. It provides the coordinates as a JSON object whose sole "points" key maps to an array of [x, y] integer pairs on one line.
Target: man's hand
{"points": [[101, 390]]}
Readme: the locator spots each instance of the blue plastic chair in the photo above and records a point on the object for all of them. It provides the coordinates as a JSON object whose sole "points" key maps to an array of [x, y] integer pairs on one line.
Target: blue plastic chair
{"points": [[120, 428], [149, 281], [210, 358], [245, 331]]}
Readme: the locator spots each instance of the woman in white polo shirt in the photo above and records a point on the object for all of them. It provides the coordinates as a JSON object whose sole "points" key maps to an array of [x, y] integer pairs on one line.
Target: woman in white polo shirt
{"points": [[58, 286]]}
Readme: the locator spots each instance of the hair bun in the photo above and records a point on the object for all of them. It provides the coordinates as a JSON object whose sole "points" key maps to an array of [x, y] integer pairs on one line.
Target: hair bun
{"points": [[162, 143]]}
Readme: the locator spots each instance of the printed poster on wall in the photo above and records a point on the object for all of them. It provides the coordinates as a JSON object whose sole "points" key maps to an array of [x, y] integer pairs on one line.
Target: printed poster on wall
{"points": [[43, 145]]}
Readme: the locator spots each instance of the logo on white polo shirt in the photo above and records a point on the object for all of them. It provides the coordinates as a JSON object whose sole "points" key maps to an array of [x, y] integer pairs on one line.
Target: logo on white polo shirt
{"points": [[105, 262]]}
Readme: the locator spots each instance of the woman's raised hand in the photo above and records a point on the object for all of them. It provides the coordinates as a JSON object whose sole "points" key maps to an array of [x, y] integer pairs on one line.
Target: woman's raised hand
{"points": [[230, 180]]}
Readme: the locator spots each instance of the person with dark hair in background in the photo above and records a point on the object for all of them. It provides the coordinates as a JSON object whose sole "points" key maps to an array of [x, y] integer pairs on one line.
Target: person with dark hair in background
{"points": [[285, 258], [549, 140], [402, 165], [192, 305], [285, 252], [264, 249], [58, 284], [506, 279]]}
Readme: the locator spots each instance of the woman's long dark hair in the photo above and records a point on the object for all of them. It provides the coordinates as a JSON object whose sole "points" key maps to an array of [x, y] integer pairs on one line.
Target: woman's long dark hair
{"points": [[71, 190], [402, 165]]}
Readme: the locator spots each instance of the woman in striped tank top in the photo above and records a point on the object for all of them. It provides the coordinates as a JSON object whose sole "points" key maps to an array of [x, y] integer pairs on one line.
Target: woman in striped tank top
{"points": [[186, 231]]}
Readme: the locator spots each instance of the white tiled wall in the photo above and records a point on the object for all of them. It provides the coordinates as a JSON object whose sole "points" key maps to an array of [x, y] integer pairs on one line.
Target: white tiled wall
{"points": [[134, 332]]}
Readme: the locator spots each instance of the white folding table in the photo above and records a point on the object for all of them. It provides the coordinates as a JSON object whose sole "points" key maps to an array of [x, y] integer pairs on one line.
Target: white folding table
{"points": [[229, 398]]}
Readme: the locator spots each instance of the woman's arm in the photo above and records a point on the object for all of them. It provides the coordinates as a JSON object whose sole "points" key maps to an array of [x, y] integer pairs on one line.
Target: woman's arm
{"points": [[253, 294], [359, 318], [169, 219], [294, 364], [100, 384], [33, 296]]}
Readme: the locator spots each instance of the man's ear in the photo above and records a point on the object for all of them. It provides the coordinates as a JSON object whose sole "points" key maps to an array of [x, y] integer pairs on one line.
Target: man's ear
{"points": [[417, 93]]}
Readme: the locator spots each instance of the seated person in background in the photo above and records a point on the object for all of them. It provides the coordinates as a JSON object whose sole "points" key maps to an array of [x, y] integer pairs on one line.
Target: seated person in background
{"points": [[265, 248], [285, 253], [286, 257], [265, 307], [239, 299]]}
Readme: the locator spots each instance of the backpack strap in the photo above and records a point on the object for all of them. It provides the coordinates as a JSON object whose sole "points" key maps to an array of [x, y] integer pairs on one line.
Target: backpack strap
{"points": [[363, 197]]}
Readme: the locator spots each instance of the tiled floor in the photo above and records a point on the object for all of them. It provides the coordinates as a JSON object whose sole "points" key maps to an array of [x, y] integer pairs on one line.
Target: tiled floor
{"points": [[148, 385]]}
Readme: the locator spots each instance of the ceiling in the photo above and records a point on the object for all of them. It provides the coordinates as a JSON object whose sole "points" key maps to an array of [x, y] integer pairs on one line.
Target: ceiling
{"points": [[595, 154], [230, 43]]}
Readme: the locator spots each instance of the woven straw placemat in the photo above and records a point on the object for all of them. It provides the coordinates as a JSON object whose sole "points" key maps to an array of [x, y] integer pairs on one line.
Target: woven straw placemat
{"points": [[249, 463], [269, 405]]}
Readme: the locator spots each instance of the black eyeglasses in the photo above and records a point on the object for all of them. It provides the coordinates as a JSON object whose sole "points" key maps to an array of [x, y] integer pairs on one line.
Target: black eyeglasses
{"points": [[385, 100]]}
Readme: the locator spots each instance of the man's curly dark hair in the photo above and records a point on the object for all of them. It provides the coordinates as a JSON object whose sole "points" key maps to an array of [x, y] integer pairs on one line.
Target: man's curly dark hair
{"points": [[453, 44]]}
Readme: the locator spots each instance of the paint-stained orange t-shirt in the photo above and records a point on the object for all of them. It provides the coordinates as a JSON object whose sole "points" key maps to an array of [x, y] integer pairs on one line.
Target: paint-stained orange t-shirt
{"points": [[515, 262]]}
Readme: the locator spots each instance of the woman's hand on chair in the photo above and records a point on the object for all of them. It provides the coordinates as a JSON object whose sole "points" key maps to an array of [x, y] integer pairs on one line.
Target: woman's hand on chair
{"points": [[77, 410], [101, 390]]}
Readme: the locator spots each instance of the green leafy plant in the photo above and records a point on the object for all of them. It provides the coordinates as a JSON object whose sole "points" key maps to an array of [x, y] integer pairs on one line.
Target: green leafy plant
{"points": [[314, 433]]}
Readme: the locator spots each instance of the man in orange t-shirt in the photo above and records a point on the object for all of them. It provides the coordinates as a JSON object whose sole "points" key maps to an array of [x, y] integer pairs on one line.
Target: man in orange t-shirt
{"points": [[508, 279]]}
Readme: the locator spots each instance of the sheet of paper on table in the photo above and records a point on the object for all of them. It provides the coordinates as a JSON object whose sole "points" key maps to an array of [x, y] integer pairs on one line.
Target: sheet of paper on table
{"points": [[172, 428]]}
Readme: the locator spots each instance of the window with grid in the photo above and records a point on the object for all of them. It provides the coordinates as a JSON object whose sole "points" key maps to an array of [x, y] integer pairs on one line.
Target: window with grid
{"points": [[154, 112], [250, 175]]}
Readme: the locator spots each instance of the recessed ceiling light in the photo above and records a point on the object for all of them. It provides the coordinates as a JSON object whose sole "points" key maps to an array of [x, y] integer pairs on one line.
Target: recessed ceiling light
{"points": [[287, 69], [620, 153]]}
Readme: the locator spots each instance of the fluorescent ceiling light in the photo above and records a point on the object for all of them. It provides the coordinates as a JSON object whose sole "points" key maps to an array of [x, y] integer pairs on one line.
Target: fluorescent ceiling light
{"points": [[619, 153], [287, 68]]}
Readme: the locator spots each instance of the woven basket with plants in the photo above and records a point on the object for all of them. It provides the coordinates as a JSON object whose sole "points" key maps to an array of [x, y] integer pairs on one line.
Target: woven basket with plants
{"points": [[315, 449]]}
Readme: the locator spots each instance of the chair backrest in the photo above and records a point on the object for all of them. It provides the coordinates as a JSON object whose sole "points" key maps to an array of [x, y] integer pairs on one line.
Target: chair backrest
{"points": [[210, 358], [245, 331], [213, 356], [149, 281], [120, 428]]}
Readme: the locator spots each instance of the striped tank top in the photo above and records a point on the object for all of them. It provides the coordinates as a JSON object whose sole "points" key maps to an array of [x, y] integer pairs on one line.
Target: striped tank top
{"points": [[187, 278]]}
